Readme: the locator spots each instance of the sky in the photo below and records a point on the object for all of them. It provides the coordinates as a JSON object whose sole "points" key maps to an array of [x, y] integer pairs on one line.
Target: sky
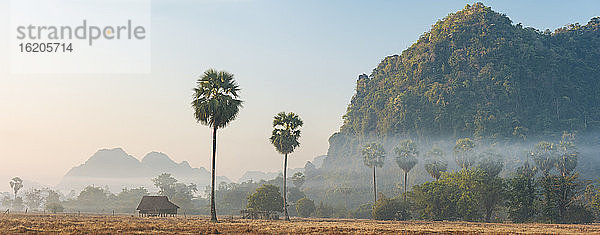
{"points": [[300, 56]]}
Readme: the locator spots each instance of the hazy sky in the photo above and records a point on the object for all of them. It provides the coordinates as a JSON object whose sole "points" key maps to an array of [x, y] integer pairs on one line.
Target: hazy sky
{"points": [[300, 56]]}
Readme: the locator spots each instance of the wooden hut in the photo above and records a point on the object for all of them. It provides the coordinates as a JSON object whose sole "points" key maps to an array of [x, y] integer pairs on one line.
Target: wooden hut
{"points": [[157, 206]]}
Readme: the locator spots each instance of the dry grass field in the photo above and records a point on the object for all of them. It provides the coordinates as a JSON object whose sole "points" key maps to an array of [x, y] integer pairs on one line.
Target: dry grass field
{"points": [[103, 224]]}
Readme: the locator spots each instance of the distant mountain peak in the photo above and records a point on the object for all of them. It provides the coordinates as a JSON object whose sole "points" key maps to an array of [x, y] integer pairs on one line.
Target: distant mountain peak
{"points": [[185, 164], [108, 152], [112, 156], [156, 156], [114, 162], [119, 169], [117, 149]]}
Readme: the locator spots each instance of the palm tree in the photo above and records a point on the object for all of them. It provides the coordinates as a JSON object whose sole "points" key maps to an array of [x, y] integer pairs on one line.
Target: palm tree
{"points": [[491, 163], [286, 132], [215, 104], [16, 183], [373, 156], [464, 153], [435, 162], [407, 158]]}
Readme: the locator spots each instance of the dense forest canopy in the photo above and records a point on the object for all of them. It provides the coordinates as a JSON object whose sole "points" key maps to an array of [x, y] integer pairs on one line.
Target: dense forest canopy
{"points": [[476, 74]]}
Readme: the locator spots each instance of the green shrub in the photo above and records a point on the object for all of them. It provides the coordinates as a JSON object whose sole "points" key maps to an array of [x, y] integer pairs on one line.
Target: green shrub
{"points": [[456, 195], [363, 211], [578, 214], [391, 209], [305, 207]]}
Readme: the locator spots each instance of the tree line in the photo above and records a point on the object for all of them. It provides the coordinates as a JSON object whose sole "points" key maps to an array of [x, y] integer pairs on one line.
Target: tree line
{"points": [[93, 199], [545, 188]]}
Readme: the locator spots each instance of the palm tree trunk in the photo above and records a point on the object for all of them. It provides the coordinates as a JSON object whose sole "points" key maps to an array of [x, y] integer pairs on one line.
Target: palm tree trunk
{"points": [[285, 188], [213, 211], [405, 175], [374, 187]]}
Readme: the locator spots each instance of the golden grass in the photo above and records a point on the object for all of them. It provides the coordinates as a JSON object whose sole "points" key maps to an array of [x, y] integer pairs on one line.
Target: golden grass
{"points": [[104, 224]]}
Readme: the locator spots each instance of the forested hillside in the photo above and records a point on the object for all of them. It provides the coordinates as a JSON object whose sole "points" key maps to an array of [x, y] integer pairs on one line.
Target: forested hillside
{"points": [[475, 73]]}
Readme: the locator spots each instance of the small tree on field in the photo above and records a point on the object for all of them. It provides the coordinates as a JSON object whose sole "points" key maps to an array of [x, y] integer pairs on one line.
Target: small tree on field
{"points": [[266, 198], [456, 194], [390, 209]]}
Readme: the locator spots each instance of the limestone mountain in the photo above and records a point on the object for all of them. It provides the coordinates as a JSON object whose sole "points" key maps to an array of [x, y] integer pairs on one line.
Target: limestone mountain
{"points": [[474, 74]]}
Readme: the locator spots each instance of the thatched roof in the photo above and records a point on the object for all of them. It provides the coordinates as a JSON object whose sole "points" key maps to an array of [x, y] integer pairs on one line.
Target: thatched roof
{"points": [[156, 203]]}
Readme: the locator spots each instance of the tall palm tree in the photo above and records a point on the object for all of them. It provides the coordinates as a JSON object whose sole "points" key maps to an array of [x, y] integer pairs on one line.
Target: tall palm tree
{"points": [[215, 104], [286, 132], [373, 156], [406, 158]]}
